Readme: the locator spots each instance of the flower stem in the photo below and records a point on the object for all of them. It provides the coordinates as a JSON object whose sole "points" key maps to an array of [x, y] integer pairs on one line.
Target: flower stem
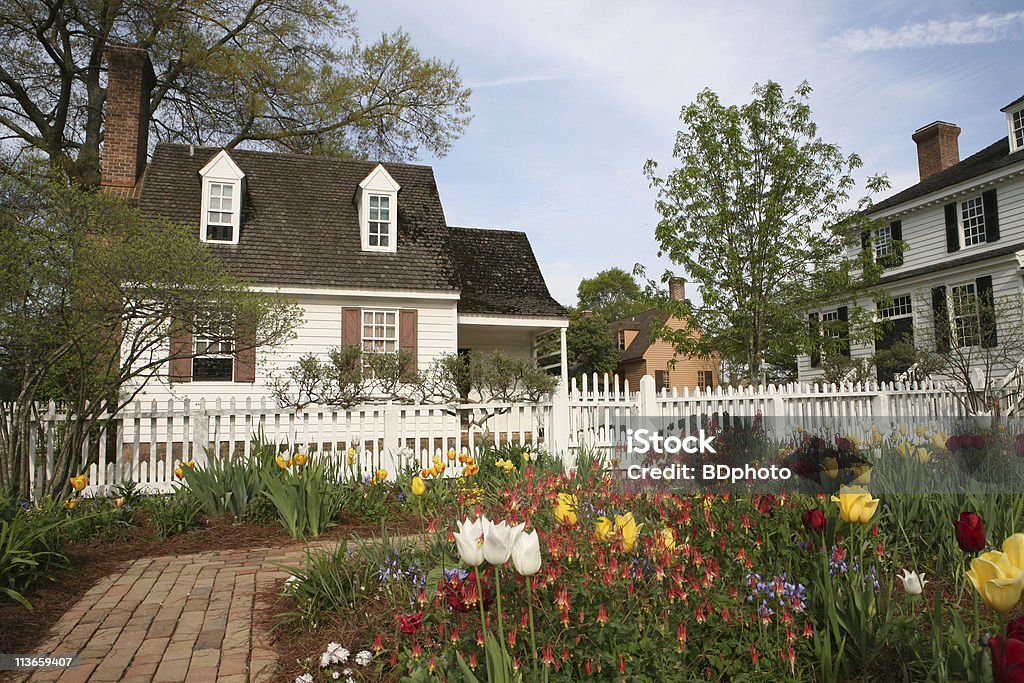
{"points": [[497, 592], [533, 636], [483, 620]]}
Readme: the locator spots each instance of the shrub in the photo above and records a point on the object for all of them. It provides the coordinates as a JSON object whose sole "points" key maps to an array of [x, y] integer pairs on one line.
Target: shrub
{"points": [[176, 513]]}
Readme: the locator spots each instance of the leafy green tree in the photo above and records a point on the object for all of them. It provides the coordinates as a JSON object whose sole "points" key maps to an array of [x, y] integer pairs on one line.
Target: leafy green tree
{"points": [[89, 292], [589, 345], [281, 74], [611, 294], [757, 213]]}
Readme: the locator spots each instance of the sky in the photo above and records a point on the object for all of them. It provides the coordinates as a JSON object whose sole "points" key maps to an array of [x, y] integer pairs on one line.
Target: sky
{"points": [[572, 97]]}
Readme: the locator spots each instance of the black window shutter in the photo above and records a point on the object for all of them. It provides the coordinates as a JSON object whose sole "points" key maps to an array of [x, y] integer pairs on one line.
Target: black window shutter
{"points": [[865, 239], [812, 323], [952, 229], [896, 248], [991, 208], [941, 318], [986, 311], [844, 330]]}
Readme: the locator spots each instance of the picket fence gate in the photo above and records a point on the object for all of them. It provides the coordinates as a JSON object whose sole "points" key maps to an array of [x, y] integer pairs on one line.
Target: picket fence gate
{"points": [[146, 441]]}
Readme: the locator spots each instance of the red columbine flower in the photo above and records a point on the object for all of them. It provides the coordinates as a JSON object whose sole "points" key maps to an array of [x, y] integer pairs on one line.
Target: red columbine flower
{"points": [[472, 660], [814, 520], [754, 655], [378, 643], [410, 623], [547, 655], [1007, 659], [622, 664], [681, 636], [970, 532], [602, 615]]}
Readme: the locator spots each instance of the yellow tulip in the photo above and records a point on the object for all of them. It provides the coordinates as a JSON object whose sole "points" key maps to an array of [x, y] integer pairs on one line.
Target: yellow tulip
{"points": [[876, 438], [382, 475], [855, 440], [433, 471], [80, 482], [903, 430], [997, 580], [283, 462], [119, 502], [191, 464], [604, 529], [526, 456], [300, 459], [856, 506], [921, 431], [862, 474], [831, 468], [178, 472], [71, 503], [630, 530], [667, 538], [418, 487], [565, 509], [441, 467], [905, 449], [452, 454], [938, 442], [923, 455], [350, 456], [1014, 549]]}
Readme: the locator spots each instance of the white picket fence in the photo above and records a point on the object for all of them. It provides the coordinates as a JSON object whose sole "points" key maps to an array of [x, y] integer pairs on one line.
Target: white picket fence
{"points": [[147, 440]]}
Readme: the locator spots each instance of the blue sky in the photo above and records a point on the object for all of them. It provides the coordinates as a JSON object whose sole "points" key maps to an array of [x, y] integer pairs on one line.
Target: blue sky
{"points": [[572, 97]]}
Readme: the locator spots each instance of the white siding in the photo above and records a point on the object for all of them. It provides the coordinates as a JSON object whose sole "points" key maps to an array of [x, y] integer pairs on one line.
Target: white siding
{"points": [[516, 341], [319, 331]]}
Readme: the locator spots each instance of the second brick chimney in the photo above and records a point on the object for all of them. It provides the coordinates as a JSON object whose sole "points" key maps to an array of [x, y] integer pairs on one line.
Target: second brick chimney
{"points": [[130, 81], [677, 289], [937, 148]]}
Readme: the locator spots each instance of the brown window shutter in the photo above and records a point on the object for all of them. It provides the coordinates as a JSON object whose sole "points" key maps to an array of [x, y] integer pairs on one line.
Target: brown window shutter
{"points": [[181, 345], [351, 324], [408, 334], [245, 356]]}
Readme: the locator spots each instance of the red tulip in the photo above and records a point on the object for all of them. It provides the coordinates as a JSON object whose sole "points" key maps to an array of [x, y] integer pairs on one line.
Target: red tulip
{"points": [[1007, 659], [814, 520], [766, 504], [970, 532], [1019, 442], [844, 444], [1015, 629]]}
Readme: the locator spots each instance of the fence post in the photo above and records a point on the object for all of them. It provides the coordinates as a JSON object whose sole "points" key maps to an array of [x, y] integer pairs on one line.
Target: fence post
{"points": [[648, 398], [557, 437], [389, 457], [879, 403], [200, 433]]}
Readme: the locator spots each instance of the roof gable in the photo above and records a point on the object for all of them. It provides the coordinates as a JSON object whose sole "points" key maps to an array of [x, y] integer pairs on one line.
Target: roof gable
{"points": [[379, 179], [222, 166]]}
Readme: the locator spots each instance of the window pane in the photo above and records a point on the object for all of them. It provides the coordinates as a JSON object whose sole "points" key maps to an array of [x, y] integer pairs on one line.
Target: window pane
{"points": [[374, 214], [972, 216], [226, 191], [385, 215], [374, 200], [384, 201], [383, 240]]}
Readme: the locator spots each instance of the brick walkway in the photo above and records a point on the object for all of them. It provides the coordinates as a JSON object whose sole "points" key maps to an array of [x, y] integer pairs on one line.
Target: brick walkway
{"points": [[173, 619]]}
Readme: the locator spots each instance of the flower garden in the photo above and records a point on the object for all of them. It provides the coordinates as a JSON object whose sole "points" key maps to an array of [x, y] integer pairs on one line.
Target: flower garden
{"points": [[893, 555]]}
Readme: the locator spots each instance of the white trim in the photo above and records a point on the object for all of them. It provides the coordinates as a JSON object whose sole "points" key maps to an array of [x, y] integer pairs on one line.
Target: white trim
{"points": [[954, 192], [222, 170], [446, 295], [1019, 109], [518, 321]]}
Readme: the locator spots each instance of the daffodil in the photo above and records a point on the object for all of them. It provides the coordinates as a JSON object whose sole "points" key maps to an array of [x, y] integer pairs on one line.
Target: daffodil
{"points": [[856, 506], [283, 462], [565, 509], [997, 580], [418, 488], [629, 529], [80, 482]]}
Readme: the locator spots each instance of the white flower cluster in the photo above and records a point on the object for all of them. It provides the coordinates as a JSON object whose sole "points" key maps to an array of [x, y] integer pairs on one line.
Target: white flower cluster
{"points": [[336, 654]]}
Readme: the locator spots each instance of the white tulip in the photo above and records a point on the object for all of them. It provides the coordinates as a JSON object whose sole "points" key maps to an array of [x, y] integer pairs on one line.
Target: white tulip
{"points": [[469, 541], [526, 554], [913, 583], [498, 541]]}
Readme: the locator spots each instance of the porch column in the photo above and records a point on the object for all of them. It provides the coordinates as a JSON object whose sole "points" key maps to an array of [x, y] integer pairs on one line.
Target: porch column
{"points": [[564, 359]]}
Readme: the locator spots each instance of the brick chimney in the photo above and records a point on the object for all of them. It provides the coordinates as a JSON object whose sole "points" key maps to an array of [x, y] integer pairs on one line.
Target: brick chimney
{"points": [[937, 148], [677, 289], [130, 80]]}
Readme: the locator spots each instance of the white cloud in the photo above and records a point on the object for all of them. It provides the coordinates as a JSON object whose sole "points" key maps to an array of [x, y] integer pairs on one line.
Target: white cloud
{"points": [[512, 80], [982, 28]]}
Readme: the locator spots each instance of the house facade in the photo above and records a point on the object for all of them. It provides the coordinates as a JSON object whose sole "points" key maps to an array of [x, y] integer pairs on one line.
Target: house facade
{"points": [[952, 247], [641, 355], [364, 248]]}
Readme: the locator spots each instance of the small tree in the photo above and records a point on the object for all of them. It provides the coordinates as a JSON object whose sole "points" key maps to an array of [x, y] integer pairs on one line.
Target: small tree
{"points": [[757, 214], [89, 292]]}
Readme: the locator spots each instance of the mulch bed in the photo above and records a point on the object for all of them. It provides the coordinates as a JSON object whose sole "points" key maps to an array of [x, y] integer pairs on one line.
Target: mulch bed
{"points": [[24, 631]]}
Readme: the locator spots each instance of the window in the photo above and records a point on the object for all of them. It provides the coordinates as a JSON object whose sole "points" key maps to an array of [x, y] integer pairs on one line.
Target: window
{"points": [[220, 213], [380, 331], [379, 228], [830, 326], [214, 358], [897, 308], [660, 380], [1017, 125], [621, 340], [972, 221], [883, 243], [964, 315], [705, 379]]}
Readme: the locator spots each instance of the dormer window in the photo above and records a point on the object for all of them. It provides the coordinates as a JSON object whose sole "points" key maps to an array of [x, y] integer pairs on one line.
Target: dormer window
{"points": [[1015, 123], [377, 200], [222, 200]]}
